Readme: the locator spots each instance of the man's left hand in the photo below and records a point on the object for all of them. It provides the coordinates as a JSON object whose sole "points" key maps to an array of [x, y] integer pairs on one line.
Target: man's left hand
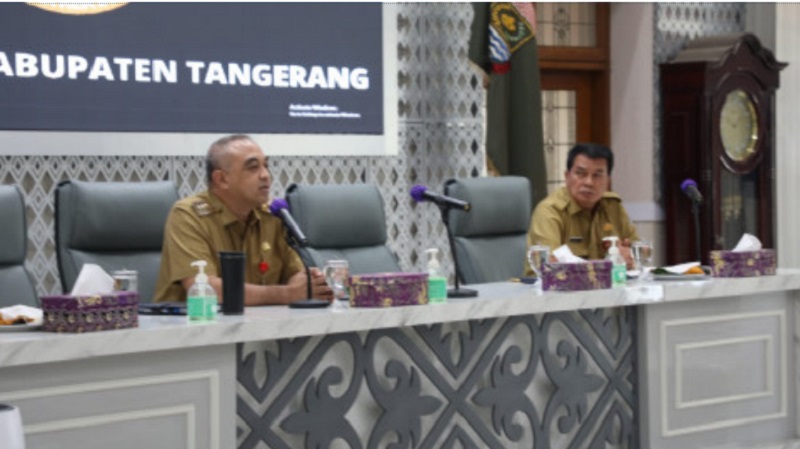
{"points": [[625, 251]]}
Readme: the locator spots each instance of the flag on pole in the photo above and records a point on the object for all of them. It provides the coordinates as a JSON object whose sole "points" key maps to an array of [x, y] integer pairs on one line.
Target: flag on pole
{"points": [[503, 46]]}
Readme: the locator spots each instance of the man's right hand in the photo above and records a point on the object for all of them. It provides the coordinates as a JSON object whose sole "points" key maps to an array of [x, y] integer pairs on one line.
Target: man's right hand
{"points": [[319, 289]]}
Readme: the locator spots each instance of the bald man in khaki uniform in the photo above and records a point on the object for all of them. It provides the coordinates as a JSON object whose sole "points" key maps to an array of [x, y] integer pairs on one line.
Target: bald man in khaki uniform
{"points": [[232, 216], [581, 214]]}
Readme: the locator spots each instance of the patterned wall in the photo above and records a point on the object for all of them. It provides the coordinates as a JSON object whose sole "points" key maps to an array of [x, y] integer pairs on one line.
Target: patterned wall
{"points": [[440, 136]]}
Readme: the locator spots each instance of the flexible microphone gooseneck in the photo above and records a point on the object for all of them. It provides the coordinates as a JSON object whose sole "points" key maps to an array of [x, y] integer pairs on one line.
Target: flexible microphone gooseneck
{"points": [[297, 240], [421, 193], [689, 188]]}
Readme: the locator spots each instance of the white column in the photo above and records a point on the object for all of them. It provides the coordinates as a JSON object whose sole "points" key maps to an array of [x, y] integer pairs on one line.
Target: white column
{"points": [[787, 135], [632, 100], [632, 118]]}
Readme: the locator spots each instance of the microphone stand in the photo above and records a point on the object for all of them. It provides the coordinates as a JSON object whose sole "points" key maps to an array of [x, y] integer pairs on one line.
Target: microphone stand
{"points": [[696, 214], [300, 250], [456, 292]]}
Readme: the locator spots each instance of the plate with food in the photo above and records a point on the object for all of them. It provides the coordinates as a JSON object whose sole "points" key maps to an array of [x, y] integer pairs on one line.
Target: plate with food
{"points": [[20, 327], [20, 318], [684, 272]]}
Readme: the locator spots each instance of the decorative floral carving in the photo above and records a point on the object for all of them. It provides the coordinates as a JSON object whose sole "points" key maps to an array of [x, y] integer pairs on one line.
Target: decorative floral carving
{"points": [[495, 380], [403, 407], [323, 419], [573, 384], [506, 395]]}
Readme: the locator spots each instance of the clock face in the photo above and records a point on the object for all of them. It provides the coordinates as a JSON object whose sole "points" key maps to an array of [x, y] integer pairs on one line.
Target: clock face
{"points": [[738, 126]]}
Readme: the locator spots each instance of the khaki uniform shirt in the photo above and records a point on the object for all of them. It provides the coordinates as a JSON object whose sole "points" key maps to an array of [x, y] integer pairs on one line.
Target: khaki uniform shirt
{"points": [[200, 226], [558, 220]]}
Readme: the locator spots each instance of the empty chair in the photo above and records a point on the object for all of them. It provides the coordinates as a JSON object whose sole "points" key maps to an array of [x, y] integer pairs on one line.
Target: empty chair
{"points": [[16, 282], [116, 225], [490, 240], [343, 222]]}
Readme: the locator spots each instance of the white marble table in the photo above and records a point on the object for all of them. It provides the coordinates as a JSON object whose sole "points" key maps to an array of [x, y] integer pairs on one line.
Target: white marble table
{"points": [[268, 323], [32, 362]]}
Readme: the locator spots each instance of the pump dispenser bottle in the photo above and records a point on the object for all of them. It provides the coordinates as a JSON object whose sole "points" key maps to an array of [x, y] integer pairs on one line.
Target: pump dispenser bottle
{"points": [[437, 284], [201, 300], [618, 269]]}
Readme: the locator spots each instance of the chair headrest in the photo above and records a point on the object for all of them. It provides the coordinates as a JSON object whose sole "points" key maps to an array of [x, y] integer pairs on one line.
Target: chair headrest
{"points": [[12, 223], [338, 216], [103, 215], [499, 205]]}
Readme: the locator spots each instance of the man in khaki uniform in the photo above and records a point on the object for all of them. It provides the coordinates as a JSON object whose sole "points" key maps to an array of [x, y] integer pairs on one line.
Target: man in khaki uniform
{"points": [[582, 213], [232, 215]]}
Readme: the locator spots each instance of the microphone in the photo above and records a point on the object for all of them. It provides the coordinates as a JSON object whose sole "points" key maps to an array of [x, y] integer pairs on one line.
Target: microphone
{"points": [[421, 193], [689, 187], [280, 209]]}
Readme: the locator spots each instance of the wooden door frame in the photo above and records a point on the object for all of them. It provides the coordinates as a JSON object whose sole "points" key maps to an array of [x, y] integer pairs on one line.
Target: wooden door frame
{"points": [[592, 65]]}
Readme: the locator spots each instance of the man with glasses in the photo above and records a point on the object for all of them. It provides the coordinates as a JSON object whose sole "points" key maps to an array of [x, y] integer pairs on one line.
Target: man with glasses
{"points": [[232, 215], [581, 214]]}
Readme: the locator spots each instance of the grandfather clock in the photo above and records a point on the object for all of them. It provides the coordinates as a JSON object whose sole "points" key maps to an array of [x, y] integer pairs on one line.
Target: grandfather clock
{"points": [[718, 125]]}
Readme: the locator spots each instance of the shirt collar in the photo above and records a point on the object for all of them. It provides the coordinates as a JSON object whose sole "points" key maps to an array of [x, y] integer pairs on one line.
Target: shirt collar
{"points": [[570, 205], [226, 215], [573, 208]]}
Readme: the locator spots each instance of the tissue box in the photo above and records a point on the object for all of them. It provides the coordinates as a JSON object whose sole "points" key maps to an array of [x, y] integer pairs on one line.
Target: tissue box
{"points": [[729, 264], [67, 313], [567, 277], [388, 289]]}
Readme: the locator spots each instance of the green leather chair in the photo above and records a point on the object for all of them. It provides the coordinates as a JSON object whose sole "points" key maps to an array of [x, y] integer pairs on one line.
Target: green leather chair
{"points": [[490, 240], [17, 284], [343, 222], [116, 225]]}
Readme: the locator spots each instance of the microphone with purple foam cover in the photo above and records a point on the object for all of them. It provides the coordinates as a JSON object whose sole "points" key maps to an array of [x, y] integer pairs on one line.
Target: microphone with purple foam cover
{"points": [[421, 193], [689, 187], [280, 208]]}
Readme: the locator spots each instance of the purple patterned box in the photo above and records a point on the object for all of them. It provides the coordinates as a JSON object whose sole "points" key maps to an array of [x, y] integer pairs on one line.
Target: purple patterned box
{"points": [[67, 313], [729, 264], [567, 277], [388, 289]]}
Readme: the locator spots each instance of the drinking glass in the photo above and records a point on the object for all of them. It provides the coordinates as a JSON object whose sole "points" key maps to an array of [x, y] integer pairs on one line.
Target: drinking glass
{"points": [[125, 280], [642, 251], [337, 272], [538, 255]]}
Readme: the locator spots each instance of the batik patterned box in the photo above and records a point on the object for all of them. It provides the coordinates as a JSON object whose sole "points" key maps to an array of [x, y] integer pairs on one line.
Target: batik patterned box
{"points": [[729, 264], [90, 313], [388, 289], [567, 277]]}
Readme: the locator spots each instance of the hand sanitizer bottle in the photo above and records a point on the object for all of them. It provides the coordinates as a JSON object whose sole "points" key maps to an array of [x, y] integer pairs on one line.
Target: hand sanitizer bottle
{"points": [[437, 284], [201, 300], [619, 273]]}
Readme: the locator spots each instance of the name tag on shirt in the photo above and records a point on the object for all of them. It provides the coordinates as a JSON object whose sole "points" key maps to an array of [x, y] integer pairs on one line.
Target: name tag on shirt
{"points": [[576, 239]]}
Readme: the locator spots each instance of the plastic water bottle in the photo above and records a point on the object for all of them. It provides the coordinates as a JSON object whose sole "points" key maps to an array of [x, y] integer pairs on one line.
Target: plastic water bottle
{"points": [[201, 300], [619, 274], [437, 284]]}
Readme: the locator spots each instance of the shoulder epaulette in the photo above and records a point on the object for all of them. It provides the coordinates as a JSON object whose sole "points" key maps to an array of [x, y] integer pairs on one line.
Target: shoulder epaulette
{"points": [[202, 208], [559, 201]]}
